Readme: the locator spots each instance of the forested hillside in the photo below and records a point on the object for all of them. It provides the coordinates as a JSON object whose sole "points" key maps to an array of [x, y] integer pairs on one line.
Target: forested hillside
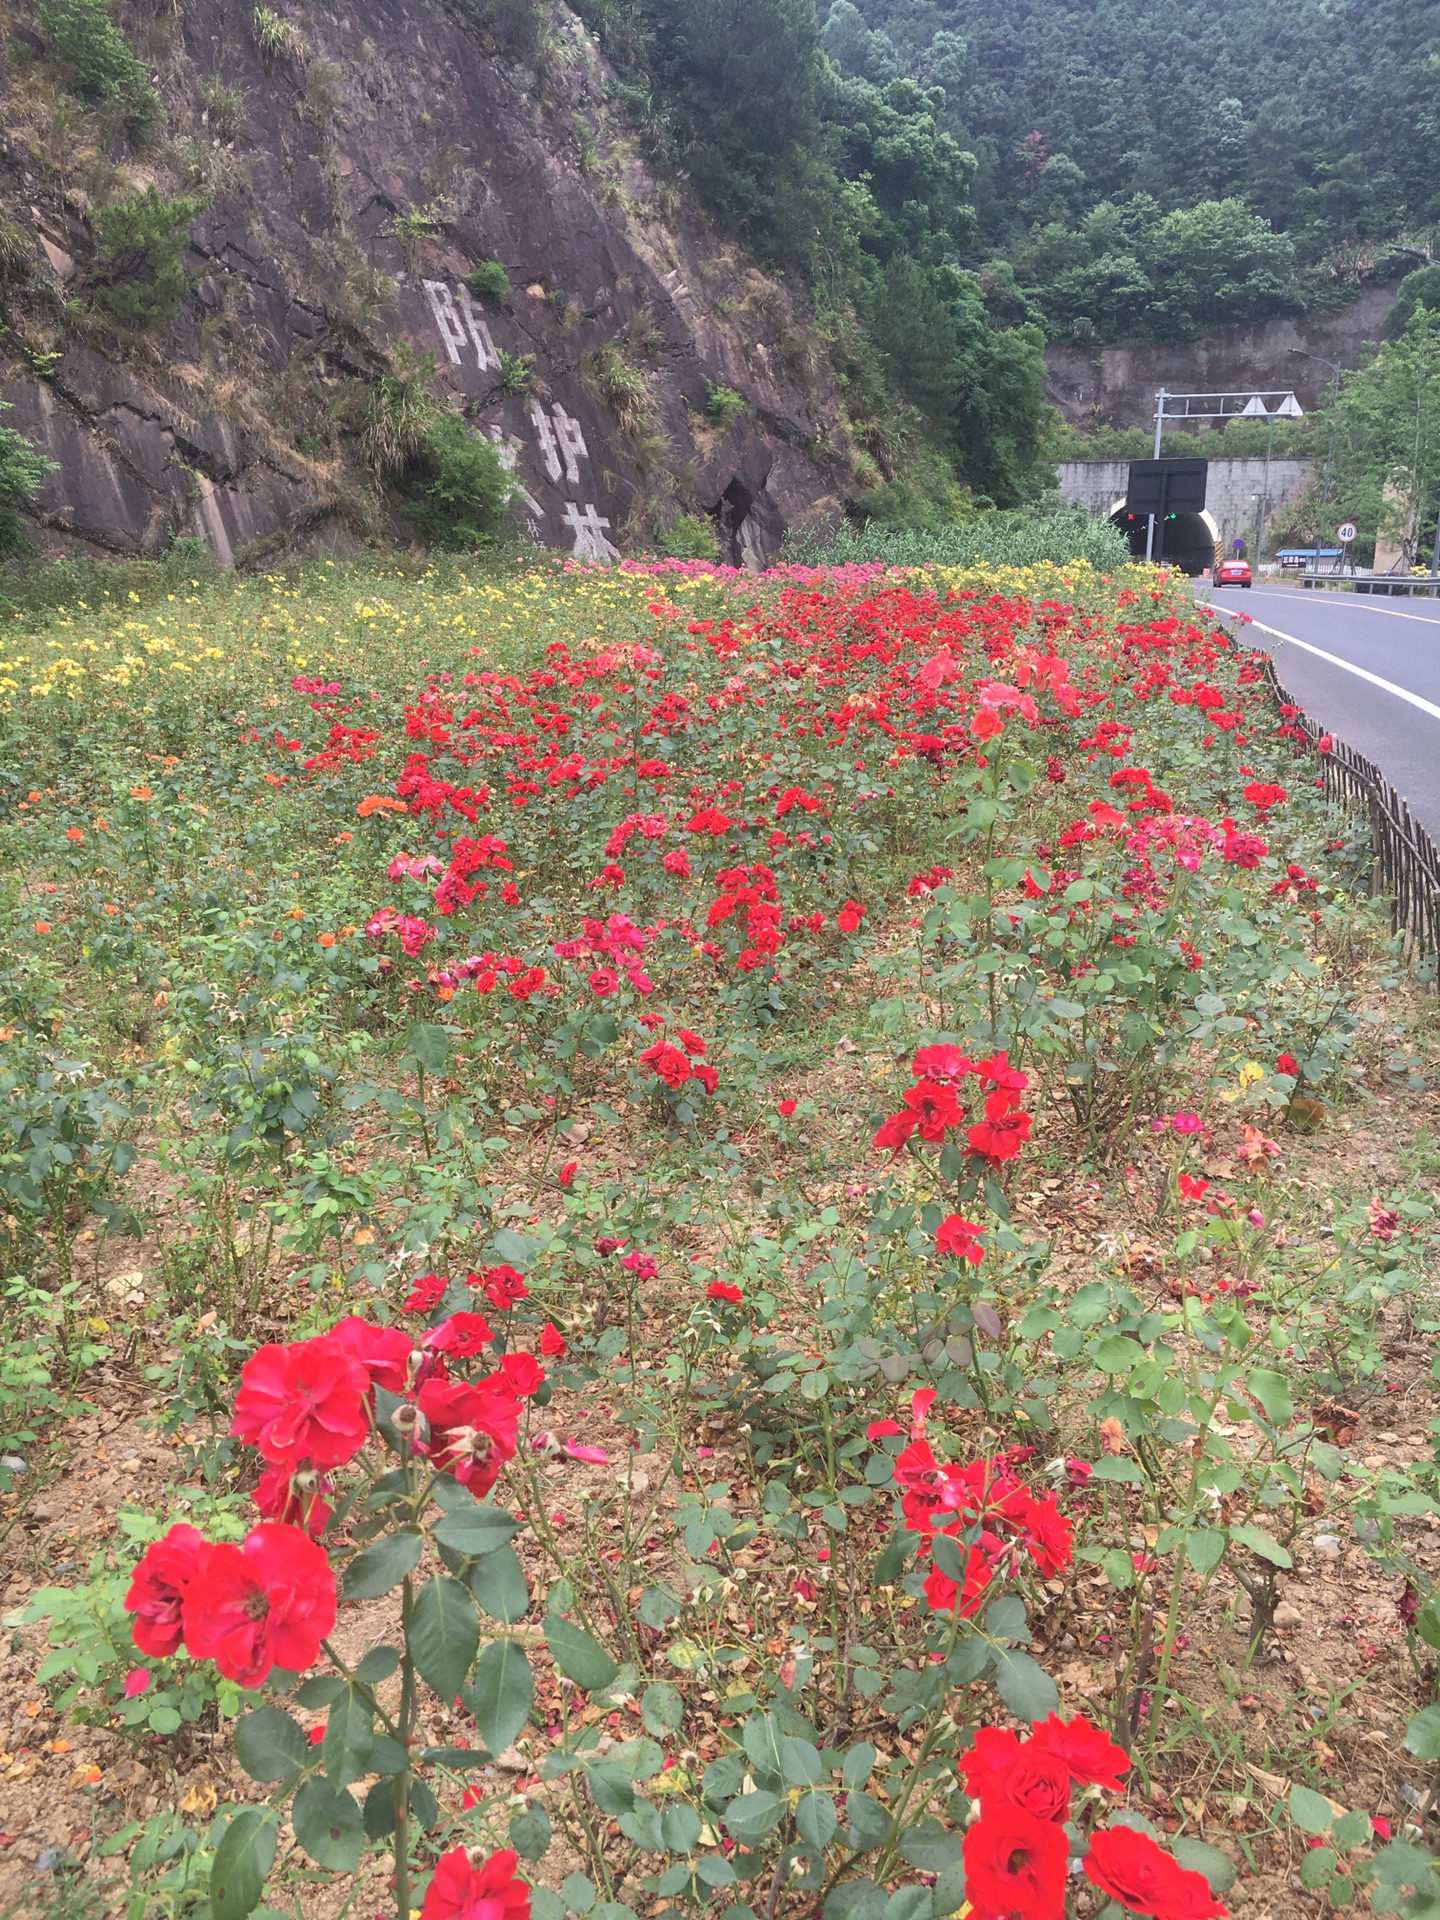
{"points": [[1154, 171]]}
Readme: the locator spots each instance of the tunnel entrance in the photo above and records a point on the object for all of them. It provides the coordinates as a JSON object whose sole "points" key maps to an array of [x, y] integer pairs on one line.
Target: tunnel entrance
{"points": [[1189, 541]]}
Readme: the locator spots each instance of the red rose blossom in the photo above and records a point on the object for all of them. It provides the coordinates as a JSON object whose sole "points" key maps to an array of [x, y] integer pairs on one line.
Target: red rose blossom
{"points": [[724, 1290], [472, 1429], [268, 1603], [524, 1373], [552, 1342], [1016, 1865], [1133, 1869], [305, 1401], [462, 1335], [297, 1499], [957, 1238], [467, 1886], [384, 1352], [158, 1588], [1091, 1755]]}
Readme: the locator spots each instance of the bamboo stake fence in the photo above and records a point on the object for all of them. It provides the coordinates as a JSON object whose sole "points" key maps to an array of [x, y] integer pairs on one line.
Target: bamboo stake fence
{"points": [[1405, 862]]}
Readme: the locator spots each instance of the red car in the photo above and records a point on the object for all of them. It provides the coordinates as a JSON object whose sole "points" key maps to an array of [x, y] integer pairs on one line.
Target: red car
{"points": [[1233, 573]]}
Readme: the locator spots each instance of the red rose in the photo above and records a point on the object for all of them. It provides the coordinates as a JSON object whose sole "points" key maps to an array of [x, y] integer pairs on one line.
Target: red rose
{"points": [[384, 1352], [667, 1063], [1039, 1783], [1000, 1137], [299, 1499], [956, 1237], [466, 1886], [300, 1402], [158, 1588], [849, 917], [723, 1290], [1092, 1756], [268, 1603], [463, 1335], [552, 1342], [786, 1108], [1016, 1865], [427, 1293], [893, 1135], [503, 1286], [524, 1373], [986, 1764], [1134, 1870], [691, 1041], [935, 1107], [1287, 1063], [472, 1429]]}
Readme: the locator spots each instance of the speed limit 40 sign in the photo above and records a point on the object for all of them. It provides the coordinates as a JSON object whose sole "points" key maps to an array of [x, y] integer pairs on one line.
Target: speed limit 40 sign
{"points": [[1345, 532]]}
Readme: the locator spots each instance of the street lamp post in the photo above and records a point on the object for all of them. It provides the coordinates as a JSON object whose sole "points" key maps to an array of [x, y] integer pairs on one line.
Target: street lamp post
{"points": [[1159, 427], [1336, 372]]}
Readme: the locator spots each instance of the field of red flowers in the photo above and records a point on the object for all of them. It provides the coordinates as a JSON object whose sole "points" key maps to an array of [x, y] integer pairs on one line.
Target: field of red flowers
{"points": [[678, 1242]]}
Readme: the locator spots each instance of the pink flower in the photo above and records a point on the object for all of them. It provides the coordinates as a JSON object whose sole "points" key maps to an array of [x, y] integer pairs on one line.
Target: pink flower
{"points": [[1187, 1123], [555, 1448], [641, 1265], [137, 1681]]}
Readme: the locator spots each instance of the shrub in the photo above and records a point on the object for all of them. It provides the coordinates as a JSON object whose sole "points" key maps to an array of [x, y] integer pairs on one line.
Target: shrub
{"points": [[609, 376], [98, 63], [689, 536], [457, 490], [723, 404], [139, 278], [274, 34], [224, 106], [489, 282], [22, 471], [399, 414]]}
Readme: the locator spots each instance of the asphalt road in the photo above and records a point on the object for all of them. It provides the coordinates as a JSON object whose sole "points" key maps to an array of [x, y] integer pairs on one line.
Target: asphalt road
{"points": [[1379, 690]]}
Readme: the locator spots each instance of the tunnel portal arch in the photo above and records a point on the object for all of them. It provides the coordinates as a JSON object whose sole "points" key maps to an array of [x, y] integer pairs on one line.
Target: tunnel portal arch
{"points": [[1189, 541]]}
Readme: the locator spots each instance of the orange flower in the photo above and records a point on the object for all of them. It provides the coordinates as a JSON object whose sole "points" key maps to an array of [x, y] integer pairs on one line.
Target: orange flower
{"points": [[33, 796], [42, 926], [294, 913], [341, 838], [276, 779], [379, 803], [141, 793], [76, 834], [112, 910], [327, 940]]}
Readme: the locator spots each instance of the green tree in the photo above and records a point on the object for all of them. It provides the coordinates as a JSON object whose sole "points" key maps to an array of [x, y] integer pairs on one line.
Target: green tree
{"points": [[139, 275], [1387, 439], [22, 473], [95, 56]]}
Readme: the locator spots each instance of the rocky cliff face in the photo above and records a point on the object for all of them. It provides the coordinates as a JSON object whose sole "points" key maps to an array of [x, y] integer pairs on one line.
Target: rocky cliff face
{"points": [[1116, 386], [354, 176]]}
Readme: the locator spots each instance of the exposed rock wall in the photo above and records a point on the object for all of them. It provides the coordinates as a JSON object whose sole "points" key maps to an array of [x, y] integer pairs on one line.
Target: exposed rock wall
{"points": [[364, 176], [1116, 386]]}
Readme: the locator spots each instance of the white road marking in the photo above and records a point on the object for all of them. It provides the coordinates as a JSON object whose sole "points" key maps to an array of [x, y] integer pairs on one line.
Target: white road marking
{"points": [[1389, 686], [1363, 602]]}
